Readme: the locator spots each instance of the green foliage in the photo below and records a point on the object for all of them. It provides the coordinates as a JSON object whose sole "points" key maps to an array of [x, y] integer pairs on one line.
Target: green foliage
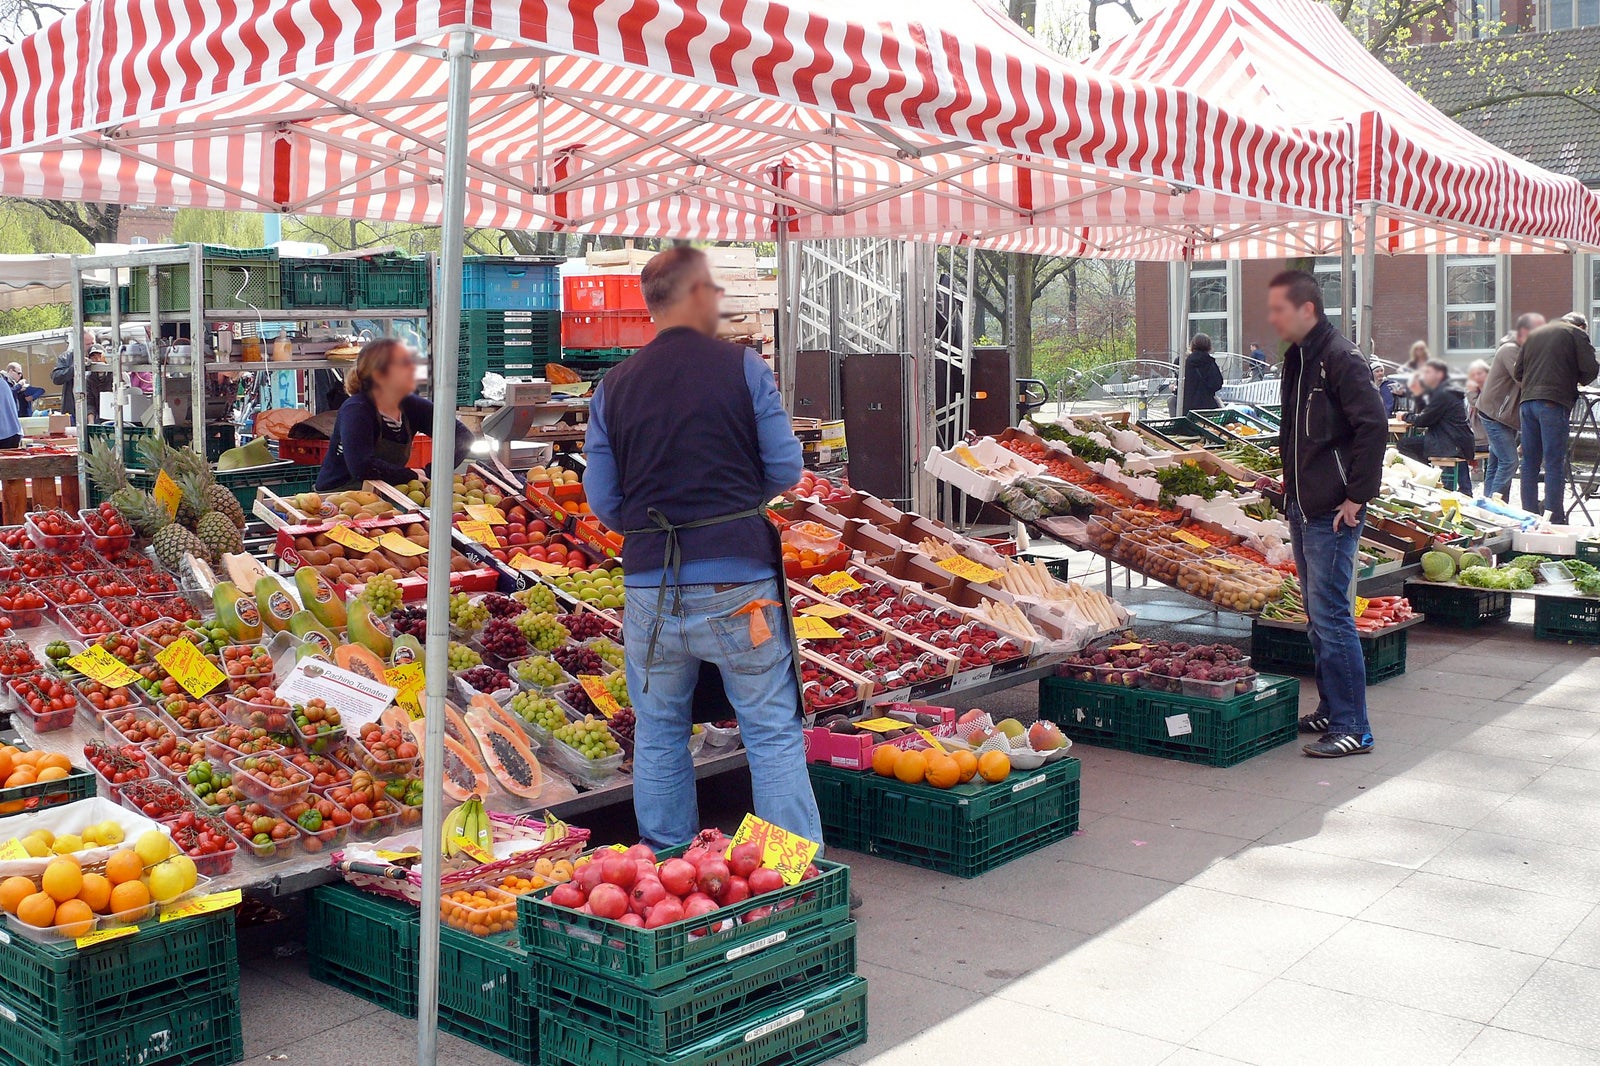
{"points": [[233, 229]]}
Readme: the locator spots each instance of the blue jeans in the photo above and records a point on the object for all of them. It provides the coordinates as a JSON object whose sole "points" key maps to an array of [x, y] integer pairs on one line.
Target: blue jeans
{"points": [[698, 624], [1501, 465], [1326, 561], [1545, 425]]}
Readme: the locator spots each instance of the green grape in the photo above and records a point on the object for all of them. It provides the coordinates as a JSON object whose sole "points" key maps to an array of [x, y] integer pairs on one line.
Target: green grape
{"points": [[610, 652], [466, 615], [463, 657], [542, 630], [617, 685], [542, 711], [590, 736], [542, 672], [539, 598], [382, 594]]}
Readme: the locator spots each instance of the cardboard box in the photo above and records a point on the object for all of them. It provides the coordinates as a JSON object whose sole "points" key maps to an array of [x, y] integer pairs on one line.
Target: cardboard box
{"points": [[1004, 466]]}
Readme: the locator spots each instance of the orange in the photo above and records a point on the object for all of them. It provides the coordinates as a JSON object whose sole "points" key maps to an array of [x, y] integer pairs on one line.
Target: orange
{"points": [[96, 892], [129, 896], [911, 767], [63, 879], [51, 773], [22, 775], [123, 866], [38, 910], [884, 756], [966, 763], [6, 765], [74, 918], [942, 771], [26, 758], [13, 890], [54, 759], [994, 766]]}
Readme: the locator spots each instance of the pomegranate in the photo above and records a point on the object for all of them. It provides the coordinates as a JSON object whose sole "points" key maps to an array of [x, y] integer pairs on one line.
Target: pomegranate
{"points": [[743, 859], [714, 876], [666, 912], [737, 890], [647, 892], [642, 851], [619, 870], [568, 895], [678, 876], [608, 901], [763, 880]]}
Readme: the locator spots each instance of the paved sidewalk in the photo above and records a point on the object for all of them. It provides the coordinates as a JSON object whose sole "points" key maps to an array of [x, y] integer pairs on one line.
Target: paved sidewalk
{"points": [[1433, 902]]}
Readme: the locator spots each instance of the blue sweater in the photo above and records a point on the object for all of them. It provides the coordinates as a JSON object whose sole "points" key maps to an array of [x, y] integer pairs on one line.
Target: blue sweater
{"points": [[9, 426], [352, 446], [781, 466]]}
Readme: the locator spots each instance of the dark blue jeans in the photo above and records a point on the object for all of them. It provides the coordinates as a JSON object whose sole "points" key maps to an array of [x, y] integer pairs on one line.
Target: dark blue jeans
{"points": [[1545, 425], [1501, 465], [1326, 561]]}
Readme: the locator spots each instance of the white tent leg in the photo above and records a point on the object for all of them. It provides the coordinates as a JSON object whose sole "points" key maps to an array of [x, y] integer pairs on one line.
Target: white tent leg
{"points": [[1347, 279], [442, 373], [1369, 281], [788, 317], [1180, 318]]}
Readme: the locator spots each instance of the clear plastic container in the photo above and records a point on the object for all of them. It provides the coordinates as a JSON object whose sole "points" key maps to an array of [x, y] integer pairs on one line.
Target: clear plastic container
{"points": [[113, 790], [22, 617], [205, 803], [17, 659], [56, 542], [719, 739], [1219, 690], [325, 839], [326, 772], [103, 699], [30, 564], [176, 607], [324, 740], [133, 725], [1155, 682], [269, 716], [106, 584], [497, 914], [249, 777], [193, 749], [362, 758], [593, 773], [191, 717], [218, 750], [155, 798], [87, 623], [216, 863], [159, 635], [104, 545], [49, 720], [377, 827], [564, 679], [271, 849]]}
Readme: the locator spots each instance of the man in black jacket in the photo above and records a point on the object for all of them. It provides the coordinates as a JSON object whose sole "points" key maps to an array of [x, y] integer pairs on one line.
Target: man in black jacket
{"points": [[1443, 419], [1333, 436], [1202, 377], [1555, 360]]}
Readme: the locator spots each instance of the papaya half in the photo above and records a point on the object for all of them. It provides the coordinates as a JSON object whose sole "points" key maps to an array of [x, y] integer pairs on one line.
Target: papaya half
{"points": [[463, 772], [505, 750]]}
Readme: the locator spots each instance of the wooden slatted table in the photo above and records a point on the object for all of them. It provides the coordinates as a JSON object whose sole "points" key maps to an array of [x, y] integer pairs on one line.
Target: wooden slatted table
{"points": [[36, 482]]}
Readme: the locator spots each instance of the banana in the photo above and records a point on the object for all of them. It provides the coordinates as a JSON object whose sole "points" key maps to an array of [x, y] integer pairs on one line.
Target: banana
{"points": [[482, 827], [554, 829], [454, 831]]}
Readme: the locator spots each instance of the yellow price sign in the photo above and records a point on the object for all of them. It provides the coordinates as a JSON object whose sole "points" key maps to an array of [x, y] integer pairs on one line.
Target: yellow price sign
{"points": [[783, 851], [604, 701], [12, 850], [810, 627], [1190, 539], [100, 665], [881, 725], [1130, 646], [216, 901], [835, 583], [931, 739], [1226, 564], [407, 681], [1360, 606], [393, 541], [190, 668], [478, 531], [100, 936], [961, 566], [539, 566], [483, 512], [167, 493], [398, 856], [825, 610], [348, 537]]}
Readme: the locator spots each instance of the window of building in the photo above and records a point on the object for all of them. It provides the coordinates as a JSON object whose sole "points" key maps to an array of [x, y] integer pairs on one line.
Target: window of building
{"points": [[1331, 278], [1478, 18], [1208, 305], [1470, 287], [1565, 14]]}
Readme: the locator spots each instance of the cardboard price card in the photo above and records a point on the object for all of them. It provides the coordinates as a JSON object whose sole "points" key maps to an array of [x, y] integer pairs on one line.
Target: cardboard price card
{"points": [[1361, 605], [483, 512], [190, 668], [347, 536], [520, 561], [810, 627], [167, 493], [826, 610], [595, 686], [100, 936], [100, 665], [216, 901], [400, 545], [408, 682], [359, 699], [961, 566], [13, 851], [479, 531], [1190, 539], [835, 583], [1131, 646], [882, 725], [783, 851]]}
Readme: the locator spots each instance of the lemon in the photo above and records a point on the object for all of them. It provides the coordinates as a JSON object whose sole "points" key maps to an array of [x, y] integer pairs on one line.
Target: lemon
{"points": [[36, 846], [153, 846], [109, 833], [67, 843]]}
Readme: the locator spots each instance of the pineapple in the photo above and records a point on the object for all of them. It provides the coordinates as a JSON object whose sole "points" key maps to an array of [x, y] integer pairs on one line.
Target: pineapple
{"points": [[214, 528], [110, 477], [225, 502], [178, 463], [169, 539]]}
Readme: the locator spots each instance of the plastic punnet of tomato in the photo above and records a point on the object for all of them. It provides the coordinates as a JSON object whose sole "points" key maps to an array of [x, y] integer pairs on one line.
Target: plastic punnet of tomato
{"points": [[14, 538], [80, 561], [191, 715], [103, 699], [17, 659], [274, 717], [47, 702], [205, 839], [210, 787], [33, 564], [87, 623], [321, 822], [260, 830], [106, 584], [154, 798], [134, 563], [372, 813], [229, 742], [382, 752], [152, 582], [163, 632], [132, 612], [174, 755], [23, 606], [55, 530], [271, 779], [116, 765], [325, 772], [135, 725], [107, 528], [124, 646]]}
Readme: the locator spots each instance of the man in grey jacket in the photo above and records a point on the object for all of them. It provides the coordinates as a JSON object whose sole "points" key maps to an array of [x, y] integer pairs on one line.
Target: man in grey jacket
{"points": [[1498, 409], [1554, 361]]}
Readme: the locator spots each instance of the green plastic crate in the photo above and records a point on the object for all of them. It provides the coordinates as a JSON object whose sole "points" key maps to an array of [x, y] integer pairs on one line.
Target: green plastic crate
{"points": [[219, 438], [1567, 619], [1219, 732], [839, 800], [366, 945], [233, 279], [1458, 606], [802, 1031], [510, 343], [65, 989], [655, 958], [284, 479], [385, 282], [77, 785], [486, 993], [666, 1022], [314, 283], [1277, 649], [1086, 711], [1055, 564], [197, 1031], [973, 828]]}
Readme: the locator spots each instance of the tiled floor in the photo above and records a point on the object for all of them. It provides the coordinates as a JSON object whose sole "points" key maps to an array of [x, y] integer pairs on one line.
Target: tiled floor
{"points": [[1434, 902]]}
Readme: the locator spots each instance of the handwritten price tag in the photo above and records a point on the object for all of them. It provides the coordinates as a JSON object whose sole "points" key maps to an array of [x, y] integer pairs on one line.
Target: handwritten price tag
{"points": [[407, 682], [190, 668], [100, 936], [473, 529], [931, 739], [595, 686], [12, 850], [881, 725], [483, 512], [835, 583], [810, 627], [1226, 564], [825, 610], [216, 901], [476, 853], [393, 541], [539, 566], [961, 566], [100, 665], [783, 851], [1361, 605], [1190, 539], [167, 493], [1132, 646], [347, 536]]}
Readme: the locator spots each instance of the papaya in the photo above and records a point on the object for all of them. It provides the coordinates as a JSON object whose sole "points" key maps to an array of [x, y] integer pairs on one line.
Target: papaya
{"points": [[320, 598], [396, 717], [358, 660], [312, 633], [463, 772], [236, 611], [370, 631], [505, 750], [274, 604], [407, 649]]}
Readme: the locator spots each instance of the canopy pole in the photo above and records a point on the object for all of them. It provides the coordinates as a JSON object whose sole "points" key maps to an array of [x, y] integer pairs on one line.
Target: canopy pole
{"points": [[788, 317], [1347, 275], [442, 374], [1369, 280], [1180, 318]]}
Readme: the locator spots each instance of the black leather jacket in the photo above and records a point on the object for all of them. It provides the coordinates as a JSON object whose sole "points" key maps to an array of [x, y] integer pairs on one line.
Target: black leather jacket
{"points": [[1334, 429]]}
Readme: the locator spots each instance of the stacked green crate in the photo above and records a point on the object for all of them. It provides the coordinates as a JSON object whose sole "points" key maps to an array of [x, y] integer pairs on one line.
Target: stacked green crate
{"points": [[167, 994], [513, 344], [780, 988]]}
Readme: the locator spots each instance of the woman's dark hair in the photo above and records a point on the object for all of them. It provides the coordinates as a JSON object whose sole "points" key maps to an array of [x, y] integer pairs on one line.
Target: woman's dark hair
{"points": [[371, 362], [1201, 343]]}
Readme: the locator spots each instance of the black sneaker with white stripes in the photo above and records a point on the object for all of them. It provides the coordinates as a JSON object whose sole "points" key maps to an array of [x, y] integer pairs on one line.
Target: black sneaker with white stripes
{"points": [[1338, 745], [1314, 723]]}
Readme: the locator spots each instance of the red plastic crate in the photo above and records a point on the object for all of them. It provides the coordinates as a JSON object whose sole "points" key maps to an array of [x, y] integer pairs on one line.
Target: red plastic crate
{"points": [[309, 452], [602, 292], [606, 329]]}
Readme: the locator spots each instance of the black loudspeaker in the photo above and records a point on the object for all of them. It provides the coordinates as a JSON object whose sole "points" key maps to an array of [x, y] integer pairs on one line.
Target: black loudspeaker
{"points": [[816, 385], [874, 395]]}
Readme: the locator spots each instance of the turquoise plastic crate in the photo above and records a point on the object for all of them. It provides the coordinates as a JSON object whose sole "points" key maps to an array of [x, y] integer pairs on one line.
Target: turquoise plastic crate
{"points": [[802, 1031], [198, 1031], [366, 945], [510, 283]]}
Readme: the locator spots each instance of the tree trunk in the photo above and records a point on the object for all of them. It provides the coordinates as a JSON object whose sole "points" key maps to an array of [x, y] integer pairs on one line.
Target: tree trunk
{"points": [[1072, 297], [1021, 268]]}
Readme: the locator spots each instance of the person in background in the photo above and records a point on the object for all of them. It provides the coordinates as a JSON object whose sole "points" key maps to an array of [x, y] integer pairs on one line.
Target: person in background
{"points": [[687, 441], [1499, 409], [1477, 374], [1380, 381], [18, 381], [1554, 361], [1443, 420], [1258, 363], [1418, 357], [1333, 438], [1202, 377], [1416, 390], [10, 427]]}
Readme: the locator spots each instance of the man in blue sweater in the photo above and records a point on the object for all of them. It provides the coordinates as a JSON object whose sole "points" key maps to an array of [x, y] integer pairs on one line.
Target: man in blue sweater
{"points": [[687, 441]]}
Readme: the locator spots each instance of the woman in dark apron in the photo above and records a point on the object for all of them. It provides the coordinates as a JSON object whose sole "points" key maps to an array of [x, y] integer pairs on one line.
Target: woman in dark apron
{"points": [[372, 436]]}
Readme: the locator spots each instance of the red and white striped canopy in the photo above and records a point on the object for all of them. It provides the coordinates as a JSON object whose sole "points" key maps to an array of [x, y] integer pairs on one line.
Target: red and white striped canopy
{"points": [[1292, 64], [709, 119]]}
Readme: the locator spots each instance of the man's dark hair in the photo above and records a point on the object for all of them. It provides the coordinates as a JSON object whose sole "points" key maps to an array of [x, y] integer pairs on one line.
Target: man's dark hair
{"points": [[1526, 321], [1201, 343], [664, 279], [1575, 318], [1440, 365], [1303, 289]]}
